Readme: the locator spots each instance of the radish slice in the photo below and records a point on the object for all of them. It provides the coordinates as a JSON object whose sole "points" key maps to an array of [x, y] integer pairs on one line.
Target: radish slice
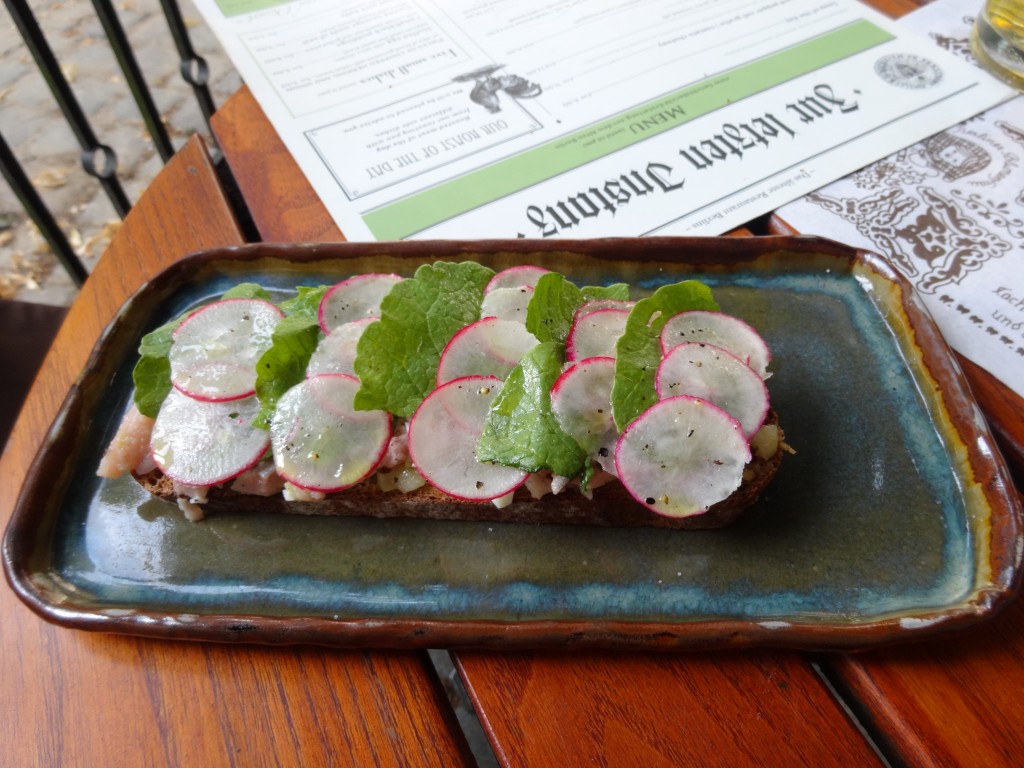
{"points": [[320, 442], [204, 443], [215, 349], [507, 303], [725, 331], [594, 334], [357, 298], [488, 347], [515, 277], [681, 456], [581, 403], [444, 452], [336, 352], [721, 378]]}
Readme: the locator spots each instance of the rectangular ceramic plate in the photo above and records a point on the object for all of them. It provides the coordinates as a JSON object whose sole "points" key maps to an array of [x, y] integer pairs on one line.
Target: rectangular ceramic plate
{"points": [[893, 520]]}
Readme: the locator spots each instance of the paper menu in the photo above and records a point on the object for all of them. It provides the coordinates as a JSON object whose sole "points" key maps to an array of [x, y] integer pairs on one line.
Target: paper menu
{"points": [[948, 212], [506, 118]]}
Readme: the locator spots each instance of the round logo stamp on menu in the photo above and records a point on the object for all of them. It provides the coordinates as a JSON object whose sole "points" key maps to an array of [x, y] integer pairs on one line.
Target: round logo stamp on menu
{"points": [[908, 71]]}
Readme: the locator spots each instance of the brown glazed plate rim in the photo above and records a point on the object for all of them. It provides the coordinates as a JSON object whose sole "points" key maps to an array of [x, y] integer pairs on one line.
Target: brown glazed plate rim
{"points": [[840, 553]]}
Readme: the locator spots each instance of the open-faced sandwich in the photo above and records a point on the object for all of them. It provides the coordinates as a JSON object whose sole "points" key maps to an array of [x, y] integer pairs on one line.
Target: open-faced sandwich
{"points": [[457, 393]]}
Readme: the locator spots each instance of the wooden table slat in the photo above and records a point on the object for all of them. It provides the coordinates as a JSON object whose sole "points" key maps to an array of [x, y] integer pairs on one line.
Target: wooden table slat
{"points": [[949, 701], [73, 698], [264, 169], [708, 709]]}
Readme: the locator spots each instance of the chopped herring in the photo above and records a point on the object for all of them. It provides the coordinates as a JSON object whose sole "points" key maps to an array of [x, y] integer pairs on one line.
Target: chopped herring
{"points": [[261, 480], [193, 512], [538, 484], [130, 446], [503, 501], [397, 453], [559, 484], [190, 500], [147, 465], [601, 477], [197, 494], [295, 493]]}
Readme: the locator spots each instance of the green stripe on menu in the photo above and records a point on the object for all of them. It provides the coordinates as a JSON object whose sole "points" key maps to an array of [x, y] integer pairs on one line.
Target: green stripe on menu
{"points": [[237, 7], [416, 212]]}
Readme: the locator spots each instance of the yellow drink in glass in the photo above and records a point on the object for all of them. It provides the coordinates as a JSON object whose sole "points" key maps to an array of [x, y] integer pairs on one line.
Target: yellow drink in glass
{"points": [[997, 40]]}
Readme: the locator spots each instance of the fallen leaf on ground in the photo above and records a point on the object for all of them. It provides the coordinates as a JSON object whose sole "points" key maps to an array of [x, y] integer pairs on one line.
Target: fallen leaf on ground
{"points": [[26, 275], [75, 240], [51, 178], [98, 242]]}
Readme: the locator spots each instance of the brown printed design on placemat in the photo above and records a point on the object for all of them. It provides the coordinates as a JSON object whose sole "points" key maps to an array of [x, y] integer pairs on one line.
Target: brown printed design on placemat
{"points": [[936, 238], [933, 241], [958, 46], [1016, 134], [1005, 321]]}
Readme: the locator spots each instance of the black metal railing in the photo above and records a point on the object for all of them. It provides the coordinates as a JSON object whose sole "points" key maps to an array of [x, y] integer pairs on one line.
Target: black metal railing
{"points": [[133, 76], [193, 67], [40, 214], [98, 159]]}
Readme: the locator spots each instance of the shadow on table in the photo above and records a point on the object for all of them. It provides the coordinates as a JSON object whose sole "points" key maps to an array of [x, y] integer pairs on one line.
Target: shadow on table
{"points": [[26, 332]]}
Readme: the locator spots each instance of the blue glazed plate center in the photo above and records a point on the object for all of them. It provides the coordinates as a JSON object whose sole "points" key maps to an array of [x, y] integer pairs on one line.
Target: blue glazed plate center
{"points": [[865, 521]]}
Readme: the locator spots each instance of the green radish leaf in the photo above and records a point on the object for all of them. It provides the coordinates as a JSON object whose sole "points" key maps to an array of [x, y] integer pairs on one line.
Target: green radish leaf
{"points": [[616, 291], [397, 357], [549, 313], [306, 302], [247, 291], [555, 300], [638, 351], [152, 372], [521, 430], [284, 364], [293, 342]]}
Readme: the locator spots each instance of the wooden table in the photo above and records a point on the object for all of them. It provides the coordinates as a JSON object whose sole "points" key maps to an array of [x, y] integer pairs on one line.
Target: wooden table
{"points": [[80, 699]]}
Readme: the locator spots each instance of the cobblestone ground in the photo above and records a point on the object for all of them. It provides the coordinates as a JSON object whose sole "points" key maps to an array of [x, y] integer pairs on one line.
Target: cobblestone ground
{"points": [[42, 141]]}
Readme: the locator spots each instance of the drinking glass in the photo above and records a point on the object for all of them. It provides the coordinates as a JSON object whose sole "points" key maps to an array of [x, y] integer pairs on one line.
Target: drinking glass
{"points": [[997, 40]]}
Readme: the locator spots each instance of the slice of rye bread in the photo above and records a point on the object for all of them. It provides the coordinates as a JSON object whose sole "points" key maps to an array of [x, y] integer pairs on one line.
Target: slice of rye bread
{"points": [[611, 506]]}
